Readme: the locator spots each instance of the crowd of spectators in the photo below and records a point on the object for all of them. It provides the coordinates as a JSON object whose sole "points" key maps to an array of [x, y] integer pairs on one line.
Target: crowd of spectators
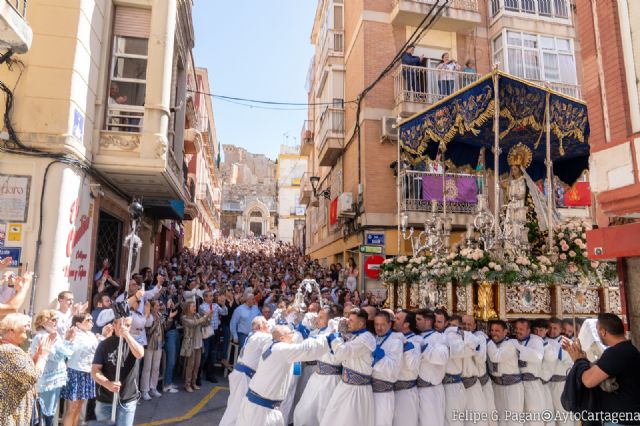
{"points": [[185, 313]]}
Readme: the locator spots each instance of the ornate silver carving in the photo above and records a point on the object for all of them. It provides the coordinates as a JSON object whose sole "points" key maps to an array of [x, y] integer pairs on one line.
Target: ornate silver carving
{"points": [[614, 301], [403, 295], [443, 296], [428, 295], [528, 299], [414, 295], [461, 298], [120, 142], [580, 300]]}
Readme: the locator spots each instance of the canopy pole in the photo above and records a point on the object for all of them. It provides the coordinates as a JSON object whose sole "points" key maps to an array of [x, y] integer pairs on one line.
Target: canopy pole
{"points": [[496, 152], [398, 186], [549, 165]]}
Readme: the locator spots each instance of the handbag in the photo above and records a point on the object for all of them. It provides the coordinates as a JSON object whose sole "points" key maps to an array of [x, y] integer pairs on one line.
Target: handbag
{"points": [[37, 415]]}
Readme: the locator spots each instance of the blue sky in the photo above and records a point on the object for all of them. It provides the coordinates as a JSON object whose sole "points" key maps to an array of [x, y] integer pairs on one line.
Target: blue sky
{"points": [[255, 49]]}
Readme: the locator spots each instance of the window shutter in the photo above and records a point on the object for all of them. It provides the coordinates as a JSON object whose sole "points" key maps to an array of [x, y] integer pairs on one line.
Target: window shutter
{"points": [[132, 22]]}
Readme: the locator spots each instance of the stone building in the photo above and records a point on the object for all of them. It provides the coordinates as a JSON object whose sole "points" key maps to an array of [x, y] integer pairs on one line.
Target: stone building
{"points": [[248, 193]]}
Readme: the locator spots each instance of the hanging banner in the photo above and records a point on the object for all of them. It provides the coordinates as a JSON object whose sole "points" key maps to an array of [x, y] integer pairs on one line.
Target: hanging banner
{"points": [[333, 213], [578, 195], [14, 198]]}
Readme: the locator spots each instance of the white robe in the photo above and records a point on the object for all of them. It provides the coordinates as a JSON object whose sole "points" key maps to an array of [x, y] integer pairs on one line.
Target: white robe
{"points": [[480, 359], [455, 396], [504, 359], [286, 408], [546, 371], [433, 363], [407, 404], [561, 366], [239, 382], [474, 396], [316, 395], [532, 352], [272, 380], [387, 369], [352, 404]]}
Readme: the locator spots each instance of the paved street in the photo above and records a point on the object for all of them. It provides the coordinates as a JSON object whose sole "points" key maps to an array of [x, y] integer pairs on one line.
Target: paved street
{"points": [[203, 407]]}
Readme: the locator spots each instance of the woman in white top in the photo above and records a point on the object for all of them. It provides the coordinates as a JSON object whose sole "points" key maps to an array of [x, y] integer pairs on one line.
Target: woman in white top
{"points": [[447, 79], [80, 386], [352, 275]]}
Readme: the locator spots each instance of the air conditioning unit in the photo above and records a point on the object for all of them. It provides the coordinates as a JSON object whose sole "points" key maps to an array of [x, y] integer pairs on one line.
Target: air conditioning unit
{"points": [[345, 205], [389, 132]]}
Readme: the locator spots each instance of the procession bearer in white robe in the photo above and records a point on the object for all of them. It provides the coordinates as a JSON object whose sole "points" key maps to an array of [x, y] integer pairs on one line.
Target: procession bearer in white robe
{"points": [[455, 398], [407, 404], [386, 363], [480, 359], [245, 368], [433, 363], [540, 328], [531, 353], [323, 381], [352, 401], [562, 364], [474, 397], [502, 354], [269, 385]]}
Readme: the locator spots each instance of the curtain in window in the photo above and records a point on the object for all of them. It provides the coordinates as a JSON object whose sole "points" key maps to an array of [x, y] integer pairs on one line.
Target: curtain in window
{"points": [[567, 69], [531, 65], [551, 70], [516, 67]]}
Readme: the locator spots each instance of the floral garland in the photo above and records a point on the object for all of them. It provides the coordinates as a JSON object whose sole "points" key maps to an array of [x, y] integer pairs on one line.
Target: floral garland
{"points": [[567, 262]]}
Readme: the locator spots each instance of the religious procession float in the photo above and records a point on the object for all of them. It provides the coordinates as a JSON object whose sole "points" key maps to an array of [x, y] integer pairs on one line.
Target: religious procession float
{"points": [[519, 257]]}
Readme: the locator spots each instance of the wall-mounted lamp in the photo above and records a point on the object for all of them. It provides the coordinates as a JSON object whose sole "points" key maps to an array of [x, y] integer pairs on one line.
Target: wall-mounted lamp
{"points": [[315, 180]]}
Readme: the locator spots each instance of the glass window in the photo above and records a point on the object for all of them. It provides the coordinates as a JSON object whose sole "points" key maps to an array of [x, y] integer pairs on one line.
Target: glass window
{"points": [[511, 4], [547, 43], [530, 40], [567, 69], [563, 44], [531, 65], [528, 6], [551, 69], [131, 46], [514, 39], [561, 8], [497, 43], [544, 7]]}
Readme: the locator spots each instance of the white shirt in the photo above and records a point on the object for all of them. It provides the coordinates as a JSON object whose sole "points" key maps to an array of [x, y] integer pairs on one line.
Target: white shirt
{"points": [[355, 354], [531, 352], [410, 358], [387, 368], [84, 348], [503, 357]]}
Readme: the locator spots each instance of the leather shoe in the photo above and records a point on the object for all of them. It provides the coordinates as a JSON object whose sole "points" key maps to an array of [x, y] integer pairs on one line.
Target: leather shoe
{"points": [[212, 379]]}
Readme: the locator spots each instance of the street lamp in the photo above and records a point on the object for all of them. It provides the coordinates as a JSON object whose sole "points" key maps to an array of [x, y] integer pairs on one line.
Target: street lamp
{"points": [[315, 180]]}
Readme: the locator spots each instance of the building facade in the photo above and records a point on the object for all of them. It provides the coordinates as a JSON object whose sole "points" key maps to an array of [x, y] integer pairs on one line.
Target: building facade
{"points": [[611, 66], [102, 108], [350, 187], [290, 169], [248, 193]]}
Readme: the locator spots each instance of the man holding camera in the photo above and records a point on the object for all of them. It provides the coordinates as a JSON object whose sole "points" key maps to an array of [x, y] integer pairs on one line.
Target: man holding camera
{"points": [[104, 369]]}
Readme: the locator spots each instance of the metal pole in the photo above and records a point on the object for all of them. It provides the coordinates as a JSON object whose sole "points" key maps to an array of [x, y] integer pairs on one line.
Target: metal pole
{"points": [[132, 248], [398, 186], [547, 112], [496, 151]]}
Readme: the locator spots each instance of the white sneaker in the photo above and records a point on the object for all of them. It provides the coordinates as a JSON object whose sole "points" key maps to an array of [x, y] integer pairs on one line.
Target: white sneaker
{"points": [[154, 393], [172, 390], [145, 396]]}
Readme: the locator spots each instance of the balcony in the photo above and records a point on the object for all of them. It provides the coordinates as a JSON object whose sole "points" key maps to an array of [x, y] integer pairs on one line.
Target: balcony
{"points": [[558, 9], [330, 136], [458, 16], [15, 33], [417, 87], [306, 138], [572, 90], [415, 203], [332, 45], [140, 164], [306, 191]]}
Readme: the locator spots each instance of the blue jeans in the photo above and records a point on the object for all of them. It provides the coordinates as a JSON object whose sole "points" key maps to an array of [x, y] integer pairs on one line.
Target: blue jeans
{"points": [[241, 339], [171, 342], [226, 333], [49, 400], [125, 413]]}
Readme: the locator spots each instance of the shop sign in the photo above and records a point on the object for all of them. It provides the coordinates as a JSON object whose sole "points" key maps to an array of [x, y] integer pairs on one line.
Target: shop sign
{"points": [[78, 247], [14, 197], [12, 252], [371, 249]]}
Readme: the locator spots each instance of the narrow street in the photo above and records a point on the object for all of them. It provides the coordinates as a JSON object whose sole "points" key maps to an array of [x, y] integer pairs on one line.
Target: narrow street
{"points": [[203, 407]]}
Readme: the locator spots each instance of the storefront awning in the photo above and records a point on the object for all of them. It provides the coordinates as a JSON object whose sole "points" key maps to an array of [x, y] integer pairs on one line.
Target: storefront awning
{"points": [[164, 209], [463, 123]]}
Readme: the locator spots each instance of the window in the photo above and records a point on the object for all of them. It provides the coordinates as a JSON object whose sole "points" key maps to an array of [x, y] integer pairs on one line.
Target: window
{"points": [[511, 5], [544, 7], [550, 8], [128, 83], [536, 57]]}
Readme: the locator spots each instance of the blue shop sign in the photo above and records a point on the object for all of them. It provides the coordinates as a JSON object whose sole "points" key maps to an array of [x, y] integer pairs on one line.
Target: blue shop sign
{"points": [[13, 253], [375, 239]]}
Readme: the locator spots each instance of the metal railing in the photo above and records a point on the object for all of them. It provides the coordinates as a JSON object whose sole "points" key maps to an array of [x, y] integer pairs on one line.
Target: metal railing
{"points": [[548, 8], [331, 125], [572, 90], [471, 5], [332, 44], [125, 118], [428, 85], [412, 197], [306, 134], [20, 6]]}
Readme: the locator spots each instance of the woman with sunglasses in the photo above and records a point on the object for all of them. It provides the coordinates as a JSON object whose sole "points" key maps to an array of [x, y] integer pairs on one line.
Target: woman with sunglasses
{"points": [[54, 375], [80, 386]]}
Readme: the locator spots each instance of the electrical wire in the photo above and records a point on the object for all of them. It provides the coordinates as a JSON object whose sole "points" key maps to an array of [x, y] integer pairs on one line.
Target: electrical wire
{"points": [[264, 107], [233, 98]]}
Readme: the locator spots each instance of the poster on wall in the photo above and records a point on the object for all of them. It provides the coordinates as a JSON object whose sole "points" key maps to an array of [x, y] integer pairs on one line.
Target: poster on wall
{"points": [[3, 233], [14, 197], [78, 245]]}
